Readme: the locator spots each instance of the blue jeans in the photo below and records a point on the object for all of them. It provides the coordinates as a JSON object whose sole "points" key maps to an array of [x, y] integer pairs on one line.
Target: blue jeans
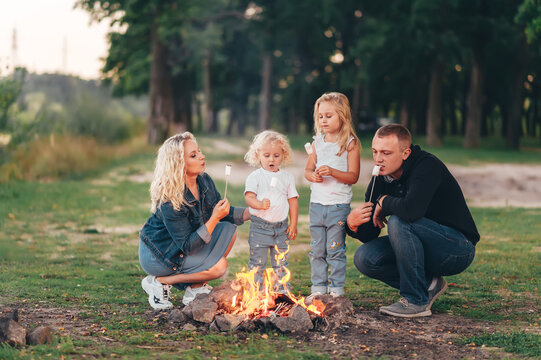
{"points": [[328, 247], [412, 254], [264, 237]]}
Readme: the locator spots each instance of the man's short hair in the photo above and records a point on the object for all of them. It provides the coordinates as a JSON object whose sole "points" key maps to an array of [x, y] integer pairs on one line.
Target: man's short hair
{"points": [[400, 131]]}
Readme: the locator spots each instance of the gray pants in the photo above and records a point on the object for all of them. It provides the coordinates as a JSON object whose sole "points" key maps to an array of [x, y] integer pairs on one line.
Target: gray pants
{"points": [[263, 238], [328, 247]]}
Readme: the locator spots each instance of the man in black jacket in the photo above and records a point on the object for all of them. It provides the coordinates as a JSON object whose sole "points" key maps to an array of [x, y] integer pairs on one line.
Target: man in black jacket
{"points": [[431, 232]]}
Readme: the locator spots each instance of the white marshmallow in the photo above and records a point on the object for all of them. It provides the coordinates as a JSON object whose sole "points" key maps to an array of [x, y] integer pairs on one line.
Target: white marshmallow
{"points": [[274, 182], [308, 148], [375, 170], [227, 169]]}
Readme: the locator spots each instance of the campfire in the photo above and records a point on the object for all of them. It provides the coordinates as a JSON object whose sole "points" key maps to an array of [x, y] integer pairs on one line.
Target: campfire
{"points": [[248, 303], [257, 299]]}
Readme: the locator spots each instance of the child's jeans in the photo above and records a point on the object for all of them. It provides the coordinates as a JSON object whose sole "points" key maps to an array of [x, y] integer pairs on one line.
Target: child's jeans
{"points": [[328, 231], [263, 238]]}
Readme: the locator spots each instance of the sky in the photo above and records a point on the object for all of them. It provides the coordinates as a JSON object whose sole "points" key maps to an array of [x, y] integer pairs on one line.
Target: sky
{"points": [[44, 28]]}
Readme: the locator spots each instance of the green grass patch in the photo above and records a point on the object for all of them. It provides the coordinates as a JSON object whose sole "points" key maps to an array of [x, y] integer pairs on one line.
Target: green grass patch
{"points": [[73, 244], [514, 342]]}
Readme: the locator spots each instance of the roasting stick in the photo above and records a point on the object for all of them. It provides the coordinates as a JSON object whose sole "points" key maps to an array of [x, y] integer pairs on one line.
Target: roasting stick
{"points": [[375, 172], [227, 174]]}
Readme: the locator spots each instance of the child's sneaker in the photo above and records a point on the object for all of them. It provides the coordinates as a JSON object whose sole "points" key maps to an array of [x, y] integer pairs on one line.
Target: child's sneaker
{"points": [[158, 293], [191, 293]]}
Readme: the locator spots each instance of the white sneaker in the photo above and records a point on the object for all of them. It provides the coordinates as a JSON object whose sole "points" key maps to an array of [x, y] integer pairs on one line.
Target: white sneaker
{"points": [[191, 293], [158, 293], [334, 294]]}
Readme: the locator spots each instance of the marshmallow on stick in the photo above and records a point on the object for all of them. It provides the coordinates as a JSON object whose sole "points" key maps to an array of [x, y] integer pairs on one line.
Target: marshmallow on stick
{"points": [[308, 148], [227, 173], [375, 172]]}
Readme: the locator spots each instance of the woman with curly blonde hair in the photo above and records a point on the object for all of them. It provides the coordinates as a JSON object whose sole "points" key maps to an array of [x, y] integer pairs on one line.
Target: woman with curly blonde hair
{"points": [[187, 238], [271, 195]]}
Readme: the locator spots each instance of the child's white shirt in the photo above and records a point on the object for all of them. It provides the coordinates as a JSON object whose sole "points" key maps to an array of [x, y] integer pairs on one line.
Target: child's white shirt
{"points": [[259, 182], [330, 191]]}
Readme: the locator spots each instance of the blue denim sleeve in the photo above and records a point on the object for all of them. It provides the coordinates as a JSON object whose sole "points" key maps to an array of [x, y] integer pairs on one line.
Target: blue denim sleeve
{"points": [[179, 227]]}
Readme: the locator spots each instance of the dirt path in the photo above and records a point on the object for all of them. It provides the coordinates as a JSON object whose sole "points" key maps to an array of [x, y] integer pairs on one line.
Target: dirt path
{"points": [[490, 185]]}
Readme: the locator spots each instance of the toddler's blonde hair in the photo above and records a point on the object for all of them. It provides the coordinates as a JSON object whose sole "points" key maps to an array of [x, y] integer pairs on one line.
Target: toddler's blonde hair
{"points": [[341, 105], [170, 172], [267, 136]]}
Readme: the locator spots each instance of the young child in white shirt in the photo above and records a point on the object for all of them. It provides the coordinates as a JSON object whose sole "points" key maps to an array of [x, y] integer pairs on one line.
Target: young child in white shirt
{"points": [[271, 195]]}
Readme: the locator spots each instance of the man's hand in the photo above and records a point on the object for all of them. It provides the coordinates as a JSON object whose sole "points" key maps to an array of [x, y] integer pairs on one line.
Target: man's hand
{"points": [[360, 215], [379, 221]]}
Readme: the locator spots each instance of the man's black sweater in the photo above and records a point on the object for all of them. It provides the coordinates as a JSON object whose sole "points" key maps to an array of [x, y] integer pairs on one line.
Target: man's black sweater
{"points": [[427, 189]]}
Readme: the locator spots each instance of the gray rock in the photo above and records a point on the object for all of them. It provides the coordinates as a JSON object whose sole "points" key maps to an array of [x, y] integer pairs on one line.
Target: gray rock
{"points": [[39, 335], [339, 305], [203, 309], [189, 327], [224, 293], [176, 317], [11, 332], [228, 322], [298, 320]]}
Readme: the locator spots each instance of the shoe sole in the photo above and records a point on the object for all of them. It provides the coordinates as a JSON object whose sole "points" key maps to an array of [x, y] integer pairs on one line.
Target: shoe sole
{"points": [[151, 302], [429, 306], [421, 314]]}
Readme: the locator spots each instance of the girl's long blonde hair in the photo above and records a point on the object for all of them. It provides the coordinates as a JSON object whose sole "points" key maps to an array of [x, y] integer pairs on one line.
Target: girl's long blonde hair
{"points": [[169, 175], [252, 156], [341, 105]]}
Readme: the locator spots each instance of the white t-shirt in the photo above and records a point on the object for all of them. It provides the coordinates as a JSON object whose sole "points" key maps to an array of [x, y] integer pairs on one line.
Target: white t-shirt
{"points": [[330, 191], [259, 182]]}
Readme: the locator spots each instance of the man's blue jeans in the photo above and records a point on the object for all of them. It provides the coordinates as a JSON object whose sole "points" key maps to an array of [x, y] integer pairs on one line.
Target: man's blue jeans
{"points": [[412, 254]]}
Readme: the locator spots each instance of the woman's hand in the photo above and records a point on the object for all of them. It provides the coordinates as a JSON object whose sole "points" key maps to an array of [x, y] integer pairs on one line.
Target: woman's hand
{"points": [[291, 232], [221, 209], [360, 215]]}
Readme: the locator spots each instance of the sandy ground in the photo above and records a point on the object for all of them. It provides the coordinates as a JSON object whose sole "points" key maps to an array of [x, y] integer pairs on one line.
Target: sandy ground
{"points": [[491, 185]]}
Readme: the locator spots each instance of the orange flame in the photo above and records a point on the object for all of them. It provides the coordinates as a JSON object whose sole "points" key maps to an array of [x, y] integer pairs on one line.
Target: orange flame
{"points": [[259, 299]]}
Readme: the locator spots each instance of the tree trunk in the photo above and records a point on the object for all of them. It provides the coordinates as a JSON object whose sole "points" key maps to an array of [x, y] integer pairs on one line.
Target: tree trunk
{"points": [[404, 116], [265, 96], [472, 137], [209, 122], [183, 105], [162, 108], [434, 112], [515, 96]]}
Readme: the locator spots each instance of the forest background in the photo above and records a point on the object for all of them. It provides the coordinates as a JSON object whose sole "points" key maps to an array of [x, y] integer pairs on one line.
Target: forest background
{"points": [[443, 68]]}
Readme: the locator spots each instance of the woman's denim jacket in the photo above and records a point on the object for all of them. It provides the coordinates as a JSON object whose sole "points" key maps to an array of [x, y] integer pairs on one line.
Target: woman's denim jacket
{"points": [[171, 235]]}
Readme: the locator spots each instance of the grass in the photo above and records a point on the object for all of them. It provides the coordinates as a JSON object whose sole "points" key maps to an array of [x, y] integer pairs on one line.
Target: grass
{"points": [[73, 244], [514, 342]]}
